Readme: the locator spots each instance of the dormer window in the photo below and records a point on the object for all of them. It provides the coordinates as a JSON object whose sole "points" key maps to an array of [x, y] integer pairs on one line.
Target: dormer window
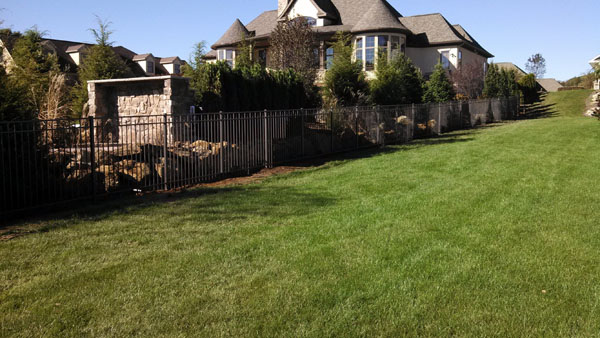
{"points": [[176, 68], [150, 67], [146, 63]]}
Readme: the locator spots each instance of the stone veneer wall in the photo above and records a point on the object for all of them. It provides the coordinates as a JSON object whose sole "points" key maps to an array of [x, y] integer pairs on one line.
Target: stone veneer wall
{"points": [[134, 109]]}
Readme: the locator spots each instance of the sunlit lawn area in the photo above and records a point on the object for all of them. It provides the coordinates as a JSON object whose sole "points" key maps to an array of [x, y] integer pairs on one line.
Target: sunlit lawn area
{"points": [[487, 232]]}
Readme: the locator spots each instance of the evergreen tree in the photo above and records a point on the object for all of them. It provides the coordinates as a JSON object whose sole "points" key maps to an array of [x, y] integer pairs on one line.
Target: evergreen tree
{"points": [[493, 82], [34, 69], [13, 100], [438, 88], [508, 85], [397, 82], [345, 83], [100, 63]]}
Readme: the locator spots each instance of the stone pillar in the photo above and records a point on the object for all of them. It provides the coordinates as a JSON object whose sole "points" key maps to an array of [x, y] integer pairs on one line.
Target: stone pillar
{"points": [[93, 103]]}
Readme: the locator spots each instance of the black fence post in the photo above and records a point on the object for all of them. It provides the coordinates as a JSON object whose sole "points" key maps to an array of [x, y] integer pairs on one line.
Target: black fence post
{"points": [[439, 131], [92, 155], [302, 130], [265, 138], [410, 129], [356, 127], [378, 135], [165, 152], [331, 127], [221, 147]]}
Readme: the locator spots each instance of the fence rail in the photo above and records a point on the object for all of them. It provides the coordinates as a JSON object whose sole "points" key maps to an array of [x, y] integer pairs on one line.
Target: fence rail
{"points": [[57, 161]]}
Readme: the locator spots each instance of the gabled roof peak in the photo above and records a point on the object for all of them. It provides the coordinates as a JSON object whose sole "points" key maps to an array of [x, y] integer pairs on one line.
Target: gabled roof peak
{"points": [[325, 9]]}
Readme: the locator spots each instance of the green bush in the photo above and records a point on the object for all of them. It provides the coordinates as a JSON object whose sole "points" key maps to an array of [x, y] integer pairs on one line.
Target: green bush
{"points": [[13, 100], [500, 83], [438, 88], [221, 88], [528, 87], [345, 83], [397, 82]]}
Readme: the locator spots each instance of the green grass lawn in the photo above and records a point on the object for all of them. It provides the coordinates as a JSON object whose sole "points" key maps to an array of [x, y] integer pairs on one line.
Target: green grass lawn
{"points": [[488, 232]]}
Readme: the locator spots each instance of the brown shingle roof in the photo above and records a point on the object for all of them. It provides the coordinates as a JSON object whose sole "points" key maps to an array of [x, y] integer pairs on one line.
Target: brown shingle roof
{"points": [[75, 48], [549, 85], [434, 29], [510, 66], [233, 35], [141, 57], [168, 60], [378, 18]]}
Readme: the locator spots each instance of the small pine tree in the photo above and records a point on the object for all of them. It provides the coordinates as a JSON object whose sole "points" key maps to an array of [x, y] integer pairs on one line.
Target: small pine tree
{"points": [[438, 88], [244, 50], [508, 84], [492, 82], [345, 83], [396, 82], [100, 63]]}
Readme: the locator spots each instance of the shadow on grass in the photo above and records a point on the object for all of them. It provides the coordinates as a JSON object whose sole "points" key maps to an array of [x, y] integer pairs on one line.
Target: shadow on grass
{"points": [[538, 110], [236, 202], [205, 204]]}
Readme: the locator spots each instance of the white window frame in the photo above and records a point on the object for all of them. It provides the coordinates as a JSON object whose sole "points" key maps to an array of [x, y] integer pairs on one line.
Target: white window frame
{"points": [[377, 48], [442, 52]]}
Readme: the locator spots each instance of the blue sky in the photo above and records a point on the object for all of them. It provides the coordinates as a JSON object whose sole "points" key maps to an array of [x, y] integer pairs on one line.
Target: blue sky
{"points": [[567, 33]]}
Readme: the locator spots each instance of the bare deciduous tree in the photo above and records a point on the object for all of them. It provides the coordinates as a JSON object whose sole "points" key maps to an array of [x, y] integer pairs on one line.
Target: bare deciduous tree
{"points": [[293, 44], [469, 80], [536, 65]]}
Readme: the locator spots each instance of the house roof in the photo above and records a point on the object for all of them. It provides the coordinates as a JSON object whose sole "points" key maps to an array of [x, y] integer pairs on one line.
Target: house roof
{"points": [[510, 66], [141, 57], [76, 48], [325, 9], [378, 18], [168, 60], [233, 35], [549, 85], [595, 60], [434, 29], [210, 55], [363, 16]]}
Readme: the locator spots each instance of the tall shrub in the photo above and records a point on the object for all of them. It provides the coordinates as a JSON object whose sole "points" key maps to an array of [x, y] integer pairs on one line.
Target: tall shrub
{"points": [[398, 82], [345, 83], [438, 88], [34, 69], [528, 88]]}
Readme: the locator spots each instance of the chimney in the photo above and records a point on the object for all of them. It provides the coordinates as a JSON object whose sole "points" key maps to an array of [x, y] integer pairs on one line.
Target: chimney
{"points": [[281, 7]]}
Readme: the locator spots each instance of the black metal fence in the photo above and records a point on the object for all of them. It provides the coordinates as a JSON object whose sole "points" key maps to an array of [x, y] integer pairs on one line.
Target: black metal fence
{"points": [[56, 161]]}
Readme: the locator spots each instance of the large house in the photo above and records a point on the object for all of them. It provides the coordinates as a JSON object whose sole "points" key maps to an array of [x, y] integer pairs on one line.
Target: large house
{"points": [[70, 55], [375, 26], [595, 62]]}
